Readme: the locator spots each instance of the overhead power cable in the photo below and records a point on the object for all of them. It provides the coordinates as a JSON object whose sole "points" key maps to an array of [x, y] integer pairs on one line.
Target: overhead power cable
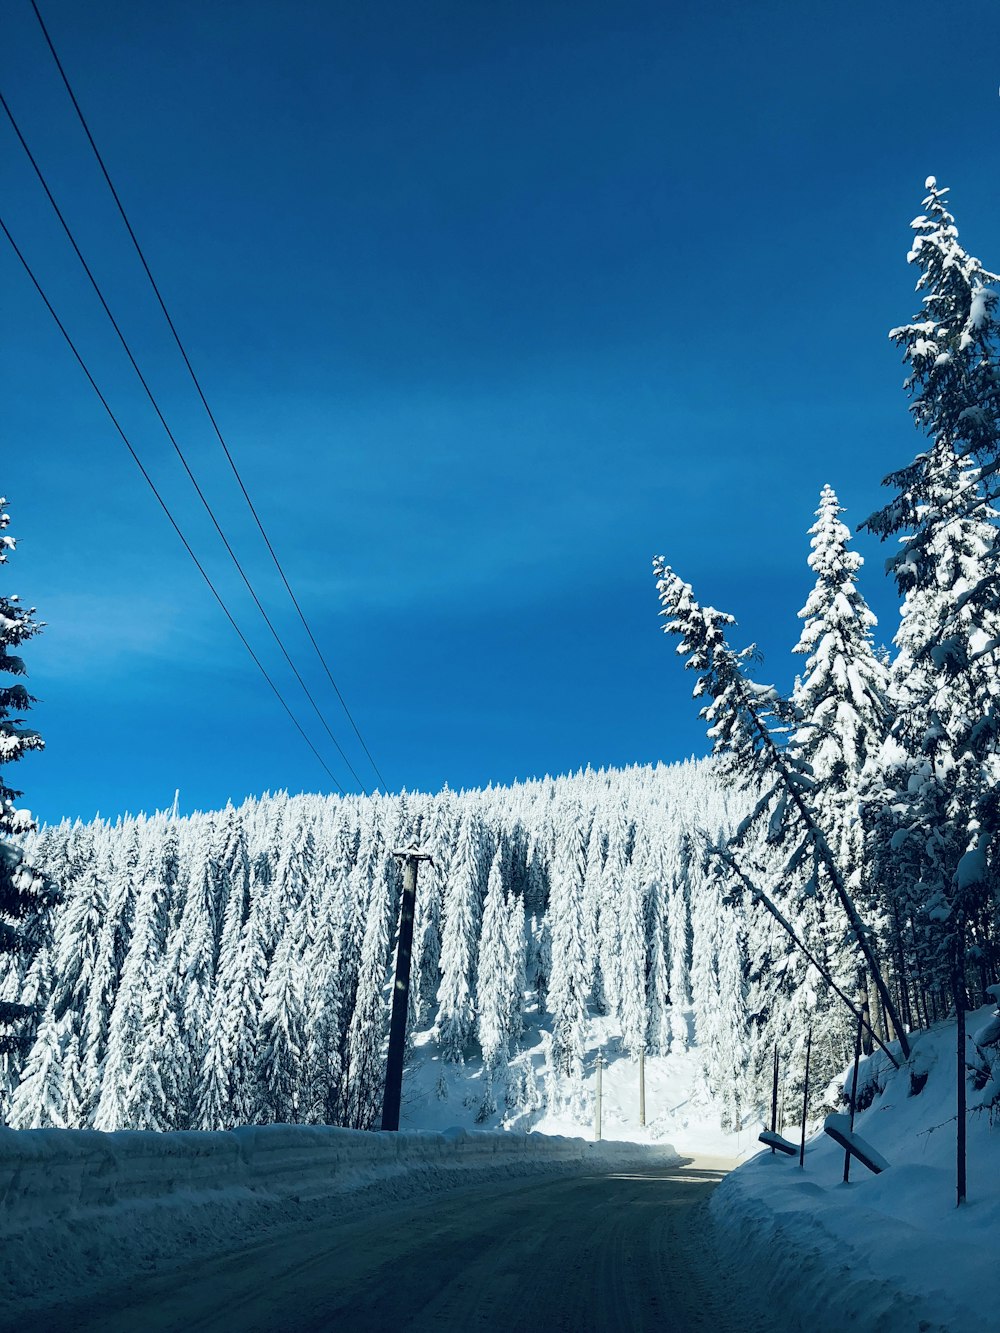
{"points": [[170, 436], [163, 504], [197, 384]]}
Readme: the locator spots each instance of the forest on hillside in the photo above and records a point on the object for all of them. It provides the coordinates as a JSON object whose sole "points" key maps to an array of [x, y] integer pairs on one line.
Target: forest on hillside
{"points": [[233, 967], [832, 874]]}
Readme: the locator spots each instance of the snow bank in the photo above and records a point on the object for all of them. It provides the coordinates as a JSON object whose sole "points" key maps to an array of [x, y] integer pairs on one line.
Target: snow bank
{"points": [[80, 1207], [888, 1253]]}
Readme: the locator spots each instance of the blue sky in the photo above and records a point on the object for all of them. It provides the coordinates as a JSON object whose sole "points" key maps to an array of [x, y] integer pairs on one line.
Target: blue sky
{"points": [[493, 303]]}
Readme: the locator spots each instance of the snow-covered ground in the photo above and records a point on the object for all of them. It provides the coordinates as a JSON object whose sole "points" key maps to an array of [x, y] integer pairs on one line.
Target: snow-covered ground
{"points": [[889, 1253], [87, 1209], [679, 1110]]}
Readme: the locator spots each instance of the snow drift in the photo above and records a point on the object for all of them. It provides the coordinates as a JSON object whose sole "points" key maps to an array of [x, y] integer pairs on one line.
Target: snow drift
{"points": [[83, 1208], [888, 1253]]}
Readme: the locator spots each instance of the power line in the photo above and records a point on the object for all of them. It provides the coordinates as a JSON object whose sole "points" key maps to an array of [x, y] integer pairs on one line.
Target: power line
{"points": [[170, 436], [163, 504], [201, 394]]}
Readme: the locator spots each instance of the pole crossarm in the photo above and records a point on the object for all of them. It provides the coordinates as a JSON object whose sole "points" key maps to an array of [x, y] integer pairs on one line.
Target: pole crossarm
{"points": [[413, 852]]}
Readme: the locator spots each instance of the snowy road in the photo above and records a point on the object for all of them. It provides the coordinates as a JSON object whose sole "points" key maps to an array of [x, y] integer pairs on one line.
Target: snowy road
{"points": [[617, 1251]]}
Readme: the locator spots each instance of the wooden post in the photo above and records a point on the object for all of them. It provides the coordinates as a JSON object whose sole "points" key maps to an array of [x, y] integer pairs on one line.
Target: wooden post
{"points": [[854, 1094], [958, 985], [411, 857], [642, 1087], [774, 1096], [597, 1099], [805, 1100]]}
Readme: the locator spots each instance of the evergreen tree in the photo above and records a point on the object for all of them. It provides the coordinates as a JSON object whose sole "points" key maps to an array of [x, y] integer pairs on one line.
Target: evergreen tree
{"points": [[364, 1066], [23, 892], [570, 979], [40, 1099], [497, 981], [633, 963], [842, 700], [749, 725], [940, 829], [125, 1027], [281, 1039], [322, 1071], [462, 914], [842, 695]]}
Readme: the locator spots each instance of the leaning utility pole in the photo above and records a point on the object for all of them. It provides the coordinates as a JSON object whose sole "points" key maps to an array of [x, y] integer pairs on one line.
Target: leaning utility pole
{"points": [[411, 858]]}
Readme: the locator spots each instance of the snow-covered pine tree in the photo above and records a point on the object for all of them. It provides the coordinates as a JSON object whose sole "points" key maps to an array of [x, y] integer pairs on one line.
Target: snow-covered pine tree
{"points": [[39, 1101], [158, 1093], [125, 1026], [493, 985], [944, 835], [363, 1068], [658, 1028], [948, 570], [569, 982], [842, 693], [462, 915], [23, 892], [842, 700], [749, 725], [321, 1068], [617, 869], [281, 1036]]}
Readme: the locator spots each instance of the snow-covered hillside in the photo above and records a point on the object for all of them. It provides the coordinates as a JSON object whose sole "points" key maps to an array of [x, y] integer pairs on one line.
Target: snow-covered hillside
{"points": [[886, 1253], [231, 968]]}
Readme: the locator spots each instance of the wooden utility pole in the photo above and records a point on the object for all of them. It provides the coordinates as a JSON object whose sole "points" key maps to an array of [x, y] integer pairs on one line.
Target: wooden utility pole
{"points": [[805, 1101], [597, 1100], [411, 858], [854, 1089], [642, 1087]]}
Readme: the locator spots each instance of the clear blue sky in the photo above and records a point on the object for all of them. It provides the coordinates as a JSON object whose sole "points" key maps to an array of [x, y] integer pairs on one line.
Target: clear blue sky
{"points": [[493, 303]]}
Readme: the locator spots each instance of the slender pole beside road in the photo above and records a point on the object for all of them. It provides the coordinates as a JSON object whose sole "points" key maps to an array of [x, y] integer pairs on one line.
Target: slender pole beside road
{"points": [[642, 1087], [597, 1101], [774, 1096], [805, 1101], [411, 858]]}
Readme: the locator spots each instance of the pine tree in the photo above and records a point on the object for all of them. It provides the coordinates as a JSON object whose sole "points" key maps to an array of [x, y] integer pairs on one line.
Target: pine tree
{"points": [[281, 1038], [749, 725], [462, 914], [323, 1001], [23, 892], [633, 964], [570, 979], [364, 1065], [942, 776], [40, 1099], [497, 980], [125, 1027], [842, 699], [842, 695]]}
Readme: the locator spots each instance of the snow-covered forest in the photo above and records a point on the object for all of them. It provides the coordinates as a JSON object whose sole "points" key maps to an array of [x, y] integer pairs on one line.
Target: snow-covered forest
{"points": [[833, 868], [229, 968]]}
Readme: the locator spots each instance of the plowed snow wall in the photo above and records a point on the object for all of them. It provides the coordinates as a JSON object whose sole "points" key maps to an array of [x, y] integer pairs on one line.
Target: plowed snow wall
{"points": [[50, 1174]]}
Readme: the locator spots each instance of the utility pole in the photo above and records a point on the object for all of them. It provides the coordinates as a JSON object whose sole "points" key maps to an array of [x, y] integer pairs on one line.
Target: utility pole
{"points": [[854, 1083], [805, 1101], [597, 1102], [642, 1087], [411, 858]]}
